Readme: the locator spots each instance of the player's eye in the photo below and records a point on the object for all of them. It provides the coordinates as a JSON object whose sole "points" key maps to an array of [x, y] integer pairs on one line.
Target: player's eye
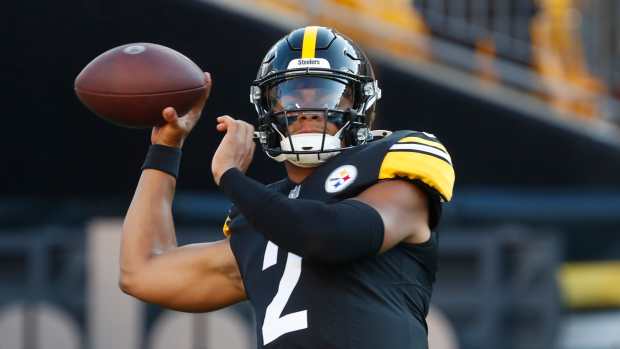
{"points": [[337, 119], [286, 120]]}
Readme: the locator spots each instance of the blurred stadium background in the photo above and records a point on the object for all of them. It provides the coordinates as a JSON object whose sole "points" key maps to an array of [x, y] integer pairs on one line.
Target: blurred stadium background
{"points": [[525, 94]]}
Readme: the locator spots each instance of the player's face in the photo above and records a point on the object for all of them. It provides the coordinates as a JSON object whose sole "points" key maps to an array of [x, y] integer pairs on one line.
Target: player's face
{"points": [[311, 93], [306, 121]]}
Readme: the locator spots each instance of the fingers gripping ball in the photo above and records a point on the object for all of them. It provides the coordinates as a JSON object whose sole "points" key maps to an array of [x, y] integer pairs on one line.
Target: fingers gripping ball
{"points": [[131, 84]]}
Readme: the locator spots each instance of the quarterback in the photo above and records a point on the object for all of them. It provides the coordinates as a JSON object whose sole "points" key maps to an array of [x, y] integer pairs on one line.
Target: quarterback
{"points": [[341, 253]]}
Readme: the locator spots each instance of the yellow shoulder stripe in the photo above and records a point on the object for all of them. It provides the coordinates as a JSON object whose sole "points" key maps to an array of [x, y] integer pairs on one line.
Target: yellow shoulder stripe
{"points": [[423, 141], [434, 172], [308, 46], [226, 228]]}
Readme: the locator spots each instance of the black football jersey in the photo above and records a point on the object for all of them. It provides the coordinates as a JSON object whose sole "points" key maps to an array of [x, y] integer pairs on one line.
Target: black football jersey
{"points": [[374, 302]]}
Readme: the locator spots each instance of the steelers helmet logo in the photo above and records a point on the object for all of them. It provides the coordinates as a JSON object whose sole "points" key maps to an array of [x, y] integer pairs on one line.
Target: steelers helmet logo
{"points": [[340, 178]]}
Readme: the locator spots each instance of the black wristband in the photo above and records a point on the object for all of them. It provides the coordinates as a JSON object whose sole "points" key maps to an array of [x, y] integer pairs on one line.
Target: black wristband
{"points": [[163, 158]]}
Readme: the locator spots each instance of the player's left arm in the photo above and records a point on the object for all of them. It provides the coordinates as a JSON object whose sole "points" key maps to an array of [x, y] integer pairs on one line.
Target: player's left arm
{"points": [[403, 208], [332, 233]]}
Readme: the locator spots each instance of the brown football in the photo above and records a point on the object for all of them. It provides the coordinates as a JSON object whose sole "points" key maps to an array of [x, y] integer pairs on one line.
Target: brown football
{"points": [[131, 84]]}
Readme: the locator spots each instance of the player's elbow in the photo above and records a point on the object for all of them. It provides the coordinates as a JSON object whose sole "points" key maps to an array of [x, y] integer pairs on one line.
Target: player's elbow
{"points": [[132, 286], [128, 283], [124, 283]]}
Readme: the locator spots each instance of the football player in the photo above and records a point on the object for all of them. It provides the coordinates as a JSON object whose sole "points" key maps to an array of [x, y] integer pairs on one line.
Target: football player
{"points": [[341, 253]]}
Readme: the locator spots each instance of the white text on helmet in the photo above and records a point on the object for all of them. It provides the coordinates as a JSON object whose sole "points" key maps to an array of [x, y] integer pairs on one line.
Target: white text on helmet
{"points": [[309, 62]]}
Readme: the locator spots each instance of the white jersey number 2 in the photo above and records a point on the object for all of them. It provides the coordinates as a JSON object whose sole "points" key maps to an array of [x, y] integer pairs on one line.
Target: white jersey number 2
{"points": [[274, 324]]}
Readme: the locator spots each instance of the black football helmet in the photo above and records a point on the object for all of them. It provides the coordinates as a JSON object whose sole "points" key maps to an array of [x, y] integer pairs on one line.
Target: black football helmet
{"points": [[314, 71]]}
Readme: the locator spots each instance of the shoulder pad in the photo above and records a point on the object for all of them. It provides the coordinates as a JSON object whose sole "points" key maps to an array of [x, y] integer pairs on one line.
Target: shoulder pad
{"points": [[419, 156]]}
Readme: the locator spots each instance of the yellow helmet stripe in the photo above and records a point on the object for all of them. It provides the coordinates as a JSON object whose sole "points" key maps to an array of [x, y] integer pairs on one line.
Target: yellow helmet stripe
{"points": [[308, 47]]}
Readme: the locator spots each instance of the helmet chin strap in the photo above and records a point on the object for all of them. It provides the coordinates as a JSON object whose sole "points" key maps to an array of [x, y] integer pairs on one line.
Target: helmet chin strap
{"points": [[309, 142]]}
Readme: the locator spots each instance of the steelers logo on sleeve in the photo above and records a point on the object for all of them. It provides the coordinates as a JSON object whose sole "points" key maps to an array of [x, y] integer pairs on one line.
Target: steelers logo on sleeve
{"points": [[340, 178]]}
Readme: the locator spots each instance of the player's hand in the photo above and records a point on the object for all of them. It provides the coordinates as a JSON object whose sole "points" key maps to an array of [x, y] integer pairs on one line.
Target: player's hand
{"points": [[176, 129], [236, 148]]}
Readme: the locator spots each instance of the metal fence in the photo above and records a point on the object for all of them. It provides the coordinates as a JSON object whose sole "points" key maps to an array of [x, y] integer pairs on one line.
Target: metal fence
{"points": [[499, 287]]}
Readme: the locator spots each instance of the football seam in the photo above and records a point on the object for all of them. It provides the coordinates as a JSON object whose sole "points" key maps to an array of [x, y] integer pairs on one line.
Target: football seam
{"points": [[82, 90]]}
